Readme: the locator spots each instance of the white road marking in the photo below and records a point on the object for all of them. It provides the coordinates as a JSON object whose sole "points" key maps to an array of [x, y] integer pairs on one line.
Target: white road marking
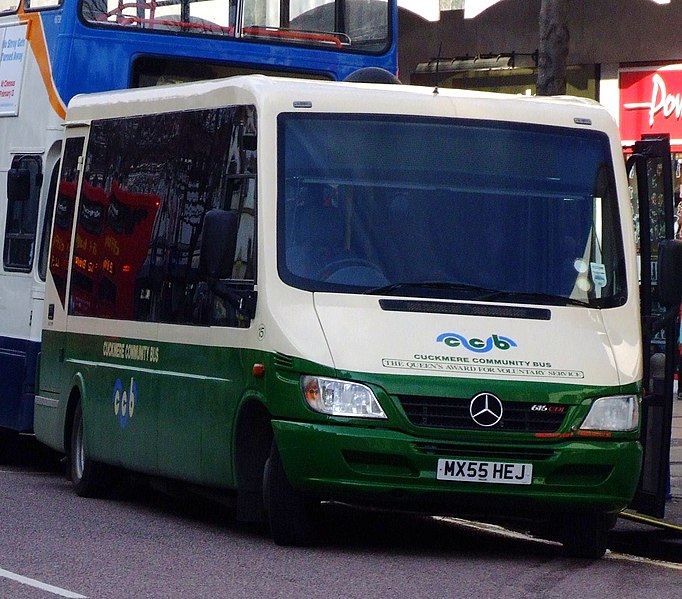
{"points": [[40, 585], [494, 529]]}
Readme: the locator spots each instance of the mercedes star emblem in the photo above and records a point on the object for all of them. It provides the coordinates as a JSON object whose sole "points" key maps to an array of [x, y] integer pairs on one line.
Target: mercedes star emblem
{"points": [[485, 409]]}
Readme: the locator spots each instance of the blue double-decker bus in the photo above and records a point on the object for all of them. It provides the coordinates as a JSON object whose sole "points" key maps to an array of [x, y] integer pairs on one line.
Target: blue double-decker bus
{"points": [[55, 49]]}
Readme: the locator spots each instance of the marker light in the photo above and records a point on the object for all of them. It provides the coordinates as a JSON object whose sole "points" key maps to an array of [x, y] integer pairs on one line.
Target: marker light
{"points": [[617, 413], [340, 398]]}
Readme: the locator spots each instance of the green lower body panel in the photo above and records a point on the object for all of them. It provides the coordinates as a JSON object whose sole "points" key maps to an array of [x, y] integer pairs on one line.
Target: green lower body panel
{"points": [[378, 466]]}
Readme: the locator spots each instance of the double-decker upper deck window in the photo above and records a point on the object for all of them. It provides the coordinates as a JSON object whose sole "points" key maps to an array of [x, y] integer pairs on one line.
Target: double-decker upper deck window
{"points": [[337, 24], [7, 6], [39, 4], [215, 17], [356, 24]]}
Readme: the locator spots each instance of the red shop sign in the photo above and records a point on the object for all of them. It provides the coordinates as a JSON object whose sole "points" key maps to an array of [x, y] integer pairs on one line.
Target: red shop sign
{"points": [[651, 102]]}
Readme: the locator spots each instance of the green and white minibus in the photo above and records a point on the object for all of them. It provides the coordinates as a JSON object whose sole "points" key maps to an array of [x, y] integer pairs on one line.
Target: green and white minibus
{"points": [[309, 292]]}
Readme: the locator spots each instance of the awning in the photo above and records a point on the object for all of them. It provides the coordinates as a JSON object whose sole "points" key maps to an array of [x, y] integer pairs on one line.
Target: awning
{"points": [[483, 62]]}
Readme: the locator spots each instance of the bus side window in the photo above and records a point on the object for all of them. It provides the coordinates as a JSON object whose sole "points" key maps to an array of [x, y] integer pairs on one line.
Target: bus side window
{"points": [[65, 200], [24, 181], [47, 223], [147, 182]]}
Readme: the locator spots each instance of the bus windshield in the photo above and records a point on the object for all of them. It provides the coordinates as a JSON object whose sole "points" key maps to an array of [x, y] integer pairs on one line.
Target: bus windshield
{"points": [[448, 208], [338, 24]]}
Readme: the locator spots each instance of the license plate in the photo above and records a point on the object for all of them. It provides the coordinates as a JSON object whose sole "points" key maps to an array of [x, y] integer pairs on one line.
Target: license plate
{"points": [[485, 472]]}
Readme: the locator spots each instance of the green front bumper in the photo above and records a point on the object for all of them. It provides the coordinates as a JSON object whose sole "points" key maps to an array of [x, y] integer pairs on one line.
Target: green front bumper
{"points": [[374, 465]]}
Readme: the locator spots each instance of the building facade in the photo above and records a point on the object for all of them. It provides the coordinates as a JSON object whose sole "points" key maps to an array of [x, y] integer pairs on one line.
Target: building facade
{"points": [[627, 54]]}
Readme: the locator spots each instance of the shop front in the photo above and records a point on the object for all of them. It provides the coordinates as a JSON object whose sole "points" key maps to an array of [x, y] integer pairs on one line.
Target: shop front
{"points": [[510, 73], [650, 104]]}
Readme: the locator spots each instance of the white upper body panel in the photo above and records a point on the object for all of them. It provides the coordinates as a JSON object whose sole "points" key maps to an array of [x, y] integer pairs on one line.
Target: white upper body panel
{"points": [[575, 345]]}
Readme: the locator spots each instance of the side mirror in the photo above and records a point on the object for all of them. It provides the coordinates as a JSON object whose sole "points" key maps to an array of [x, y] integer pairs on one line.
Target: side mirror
{"points": [[670, 272], [218, 243], [18, 184], [216, 258]]}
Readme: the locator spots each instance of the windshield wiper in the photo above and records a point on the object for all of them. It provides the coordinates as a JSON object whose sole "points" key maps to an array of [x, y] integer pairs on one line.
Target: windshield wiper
{"points": [[480, 293], [536, 297], [447, 285]]}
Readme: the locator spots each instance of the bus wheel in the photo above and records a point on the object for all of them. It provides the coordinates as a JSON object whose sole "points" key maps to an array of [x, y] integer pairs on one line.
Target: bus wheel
{"points": [[293, 517], [586, 535], [86, 475]]}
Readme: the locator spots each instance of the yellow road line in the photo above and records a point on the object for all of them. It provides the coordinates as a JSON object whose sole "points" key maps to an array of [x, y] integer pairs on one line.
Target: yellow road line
{"points": [[504, 532], [626, 557], [650, 521]]}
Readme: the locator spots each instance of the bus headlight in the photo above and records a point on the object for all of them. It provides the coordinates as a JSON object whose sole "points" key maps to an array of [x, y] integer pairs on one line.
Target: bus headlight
{"points": [[617, 413], [340, 398]]}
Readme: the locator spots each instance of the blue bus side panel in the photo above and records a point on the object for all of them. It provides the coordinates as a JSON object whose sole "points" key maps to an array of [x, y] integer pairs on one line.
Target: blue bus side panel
{"points": [[18, 359], [106, 55]]}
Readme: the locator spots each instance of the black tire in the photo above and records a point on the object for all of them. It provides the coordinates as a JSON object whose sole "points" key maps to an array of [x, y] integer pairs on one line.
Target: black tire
{"points": [[293, 517], [86, 475], [586, 535]]}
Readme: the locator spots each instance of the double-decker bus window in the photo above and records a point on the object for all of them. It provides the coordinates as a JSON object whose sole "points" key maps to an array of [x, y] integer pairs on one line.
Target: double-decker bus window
{"points": [[38, 4], [216, 17], [336, 24], [22, 215], [151, 71], [8, 6], [356, 24]]}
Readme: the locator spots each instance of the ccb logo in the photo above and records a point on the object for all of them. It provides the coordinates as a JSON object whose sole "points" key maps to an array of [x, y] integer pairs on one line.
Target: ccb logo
{"points": [[480, 346], [124, 401]]}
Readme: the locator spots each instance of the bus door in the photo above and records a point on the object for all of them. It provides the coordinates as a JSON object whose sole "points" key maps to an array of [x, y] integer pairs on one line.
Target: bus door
{"points": [[650, 172], [52, 354]]}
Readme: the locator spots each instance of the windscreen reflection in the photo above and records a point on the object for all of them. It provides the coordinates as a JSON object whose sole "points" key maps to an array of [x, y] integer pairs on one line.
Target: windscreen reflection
{"points": [[448, 208]]}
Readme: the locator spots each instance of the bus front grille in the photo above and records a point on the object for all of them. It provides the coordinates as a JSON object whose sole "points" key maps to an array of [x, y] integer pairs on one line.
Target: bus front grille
{"points": [[453, 413]]}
